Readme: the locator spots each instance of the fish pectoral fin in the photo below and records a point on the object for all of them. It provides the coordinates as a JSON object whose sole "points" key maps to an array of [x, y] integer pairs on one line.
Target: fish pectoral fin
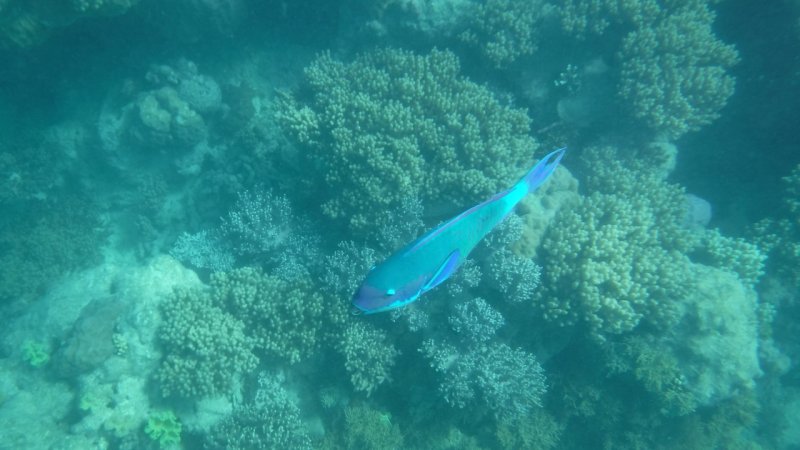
{"points": [[447, 268]]}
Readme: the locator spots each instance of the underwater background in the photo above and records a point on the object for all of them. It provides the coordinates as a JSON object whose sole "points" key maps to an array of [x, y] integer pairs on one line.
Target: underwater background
{"points": [[192, 190]]}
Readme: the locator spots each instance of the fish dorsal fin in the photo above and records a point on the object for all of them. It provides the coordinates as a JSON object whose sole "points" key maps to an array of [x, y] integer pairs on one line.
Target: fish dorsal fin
{"points": [[444, 271]]}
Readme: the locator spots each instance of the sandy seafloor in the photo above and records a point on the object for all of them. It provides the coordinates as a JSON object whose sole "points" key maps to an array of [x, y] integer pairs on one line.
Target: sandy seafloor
{"points": [[191, 191]]}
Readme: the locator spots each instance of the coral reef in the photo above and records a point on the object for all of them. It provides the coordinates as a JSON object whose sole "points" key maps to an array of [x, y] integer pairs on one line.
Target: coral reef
{"points": [[779, 237], [205, 347], [608, 265], [369, 428], [508, 382], [203, 250], [505, 30], [394, 125], [735, 255], [44, 242], [24, 24], [474, 370], [368, 356], [674, 71], [283, 318], [476, 320], [163, 427], [270, 420]]}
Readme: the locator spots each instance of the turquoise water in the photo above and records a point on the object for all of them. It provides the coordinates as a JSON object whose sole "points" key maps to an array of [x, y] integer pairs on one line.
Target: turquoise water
{"points": [[191, 192]]}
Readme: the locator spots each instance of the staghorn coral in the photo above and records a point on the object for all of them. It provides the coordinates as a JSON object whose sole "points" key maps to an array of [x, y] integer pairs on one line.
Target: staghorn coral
{"points": [[394, 125], [476, 320], [203, 250], [259, 222], [494, 377], [205, 348], [474, 370], [514, 276], [284, 318]]}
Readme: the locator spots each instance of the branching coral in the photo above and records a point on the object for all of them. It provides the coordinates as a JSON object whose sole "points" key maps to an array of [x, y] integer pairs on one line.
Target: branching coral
{"points": [[369, 428], [779, 237], [271, 420], [43, 242], [205, 347], [368, 356], [505, 30], [475, 371], [733, 254], [619, 255], [283, 317], [605, 265], [393, 125], [508, 382], [674, 72], [25, 24]]}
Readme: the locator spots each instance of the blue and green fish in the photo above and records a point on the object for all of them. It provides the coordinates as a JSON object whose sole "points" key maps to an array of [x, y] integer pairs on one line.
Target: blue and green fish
{"points": [[428, 261]]}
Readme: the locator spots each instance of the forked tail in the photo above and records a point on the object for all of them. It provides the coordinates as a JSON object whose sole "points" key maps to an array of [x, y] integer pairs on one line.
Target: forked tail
{"points": [[543, 169]]}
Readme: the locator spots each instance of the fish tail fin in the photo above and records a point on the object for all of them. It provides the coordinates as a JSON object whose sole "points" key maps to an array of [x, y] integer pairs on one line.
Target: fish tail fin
{"points": [[543, 169]]}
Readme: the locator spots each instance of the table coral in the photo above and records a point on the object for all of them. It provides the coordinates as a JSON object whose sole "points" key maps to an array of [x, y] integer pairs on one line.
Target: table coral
{"points": [[394, 125]]}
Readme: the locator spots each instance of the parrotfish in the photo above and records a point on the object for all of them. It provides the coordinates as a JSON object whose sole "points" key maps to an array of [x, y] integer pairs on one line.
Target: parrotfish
{"points": [[431, 259]]}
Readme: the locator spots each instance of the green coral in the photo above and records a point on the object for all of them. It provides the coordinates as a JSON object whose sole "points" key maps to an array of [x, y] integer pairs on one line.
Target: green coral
{"points": [[618, 256], [674, 71], [393, 126], [163, 427], [285, 318], [25, 24], [606, 265], [370, 429], [44, 242], [779, 237], [205, 347], [537, 429], [659, 372], [587, 18], [36, 354], [505, 30], [735, 255], [368, 356]]}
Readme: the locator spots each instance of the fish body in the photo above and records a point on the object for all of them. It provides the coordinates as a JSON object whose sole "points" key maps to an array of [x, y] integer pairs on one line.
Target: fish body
{"points": [[431, 259]]}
